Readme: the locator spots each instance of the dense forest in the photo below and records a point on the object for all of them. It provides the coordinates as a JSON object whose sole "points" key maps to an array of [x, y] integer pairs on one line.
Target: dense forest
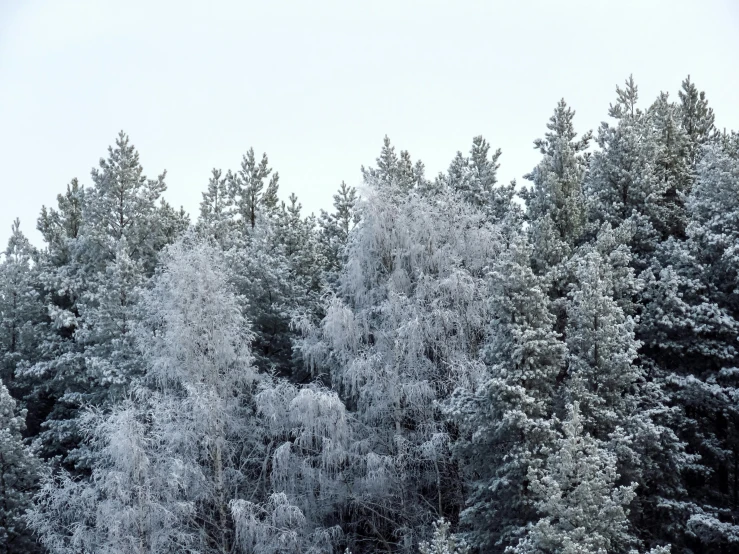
{"points": [[436, 365]]}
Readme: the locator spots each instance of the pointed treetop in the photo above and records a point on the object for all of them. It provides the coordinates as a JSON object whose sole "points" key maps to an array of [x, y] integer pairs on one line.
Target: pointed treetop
{"points": [[626, 101]]}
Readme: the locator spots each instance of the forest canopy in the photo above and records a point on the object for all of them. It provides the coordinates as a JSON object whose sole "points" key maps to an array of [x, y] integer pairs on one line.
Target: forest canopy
{"points": [[437, 364]]}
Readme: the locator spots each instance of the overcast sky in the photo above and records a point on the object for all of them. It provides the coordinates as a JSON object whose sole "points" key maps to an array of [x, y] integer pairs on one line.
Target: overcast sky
{"points": [[318, 84]]}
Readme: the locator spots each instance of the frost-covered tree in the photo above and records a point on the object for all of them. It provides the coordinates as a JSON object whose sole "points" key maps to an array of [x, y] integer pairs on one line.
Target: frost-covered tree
{"points": [[442, 542], [247, 189], [216, 208], [583, 510], [129, 504], [21, 311], [404, 330], [58, 226], [19, 474], [622, 180], [673, 167], [690, 325], [557, 180], [103, 243], [474, 179], [335, 227], [556, 207], [697, 119], [122, 205], [395, 173], [197, 345], [303, 481], [506, 422], [621, 406], [299, 239], [261, 272], [166, 464], [602, 348]]}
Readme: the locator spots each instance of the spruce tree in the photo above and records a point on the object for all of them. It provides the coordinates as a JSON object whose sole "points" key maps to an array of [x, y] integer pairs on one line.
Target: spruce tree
{"points": [[690, 321]]}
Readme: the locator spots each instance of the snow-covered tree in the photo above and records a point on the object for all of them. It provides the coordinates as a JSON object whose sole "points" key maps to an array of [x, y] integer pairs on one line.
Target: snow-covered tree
{"points": [[21, 311], [404, 330], [166, 464], [690, 325], [103, 243], [335, 228], [216, 208], [247, 191], [19, 474], [621, 405], [506, 422], [622, 180], [583, 511], [442, 542], [697, 119], [673, 167], [557, 179], [130, 503], [474, 179], [395, 173]]}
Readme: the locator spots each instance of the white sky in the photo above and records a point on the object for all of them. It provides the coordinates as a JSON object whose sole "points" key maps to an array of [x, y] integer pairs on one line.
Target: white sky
{"points": [[318, 84]]}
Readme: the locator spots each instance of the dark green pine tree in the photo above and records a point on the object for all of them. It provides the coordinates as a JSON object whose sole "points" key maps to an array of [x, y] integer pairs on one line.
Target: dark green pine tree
{"points": [[506, 424], [334, 230], [19, 475], [689, 325], [247, 188], [102, 243], [697, 119], [22, 312], [475, 178]]}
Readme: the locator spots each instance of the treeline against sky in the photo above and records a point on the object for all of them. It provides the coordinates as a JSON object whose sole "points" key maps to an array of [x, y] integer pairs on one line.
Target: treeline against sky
{"points": [[439, 364]]}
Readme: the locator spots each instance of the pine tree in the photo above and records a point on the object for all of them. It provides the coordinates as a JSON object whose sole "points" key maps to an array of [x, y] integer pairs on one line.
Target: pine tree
{"points": [[583, 510], [57, 227], [697, 119], [557, 190], [335, 227], [21, 311], [261, 272], [556, 207], [19, 473], [672, 164], [505, 423], [474, 179], [622, 181], [215, 209], [247, 191], [104, 242], [395, 174]]}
